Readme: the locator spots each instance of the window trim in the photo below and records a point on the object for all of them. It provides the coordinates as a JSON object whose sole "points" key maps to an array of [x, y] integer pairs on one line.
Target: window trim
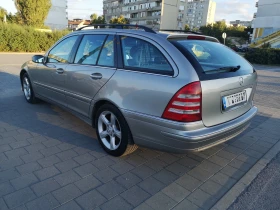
{"points": [[57, 43], [139, 69]]}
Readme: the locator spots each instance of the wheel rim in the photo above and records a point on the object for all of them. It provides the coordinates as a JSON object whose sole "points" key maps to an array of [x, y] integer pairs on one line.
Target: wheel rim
{"points": [[26, 88], [109, 130]]}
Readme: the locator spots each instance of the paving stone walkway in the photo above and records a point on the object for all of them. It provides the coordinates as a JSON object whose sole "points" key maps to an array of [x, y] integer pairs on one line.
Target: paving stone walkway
{"points": [[49, 159]]}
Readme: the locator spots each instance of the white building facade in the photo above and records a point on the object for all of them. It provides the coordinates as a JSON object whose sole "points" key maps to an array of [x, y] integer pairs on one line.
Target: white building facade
{"points": [[267, 18], [57, 18]]}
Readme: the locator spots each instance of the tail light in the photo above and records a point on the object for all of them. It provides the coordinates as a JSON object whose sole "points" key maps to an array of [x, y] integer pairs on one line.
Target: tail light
{"points": [[185, 105]]}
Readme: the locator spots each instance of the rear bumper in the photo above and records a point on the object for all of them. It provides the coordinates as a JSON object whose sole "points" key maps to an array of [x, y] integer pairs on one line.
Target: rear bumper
{"points": [[170, 136]]}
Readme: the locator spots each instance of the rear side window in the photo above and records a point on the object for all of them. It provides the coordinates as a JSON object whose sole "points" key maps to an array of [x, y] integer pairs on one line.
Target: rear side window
{"points": [[89, 49], [143, 56], [214, 57]]}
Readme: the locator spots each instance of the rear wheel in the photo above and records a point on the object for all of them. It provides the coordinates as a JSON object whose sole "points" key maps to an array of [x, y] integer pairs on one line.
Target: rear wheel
{"points": [[113, 132], [27, 89]]}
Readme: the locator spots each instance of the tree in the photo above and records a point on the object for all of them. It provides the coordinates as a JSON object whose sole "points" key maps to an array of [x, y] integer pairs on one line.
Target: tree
{"points": [[195, 29], [187, 28], [33, 12], [119, 20], [94, 16], [14, 18], [3, 12], [218, 28], [95, 19]]}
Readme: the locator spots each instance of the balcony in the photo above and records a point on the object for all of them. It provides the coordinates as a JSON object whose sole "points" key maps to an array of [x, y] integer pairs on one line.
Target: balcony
{"points": [[255, 15], [144, 10], [110, 1], [115, 6], [257, 4], [146, 18]]}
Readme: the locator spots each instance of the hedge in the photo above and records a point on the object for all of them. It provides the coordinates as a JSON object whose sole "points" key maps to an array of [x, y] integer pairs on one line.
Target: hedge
{"points": [[17, 38], [263, 56]]}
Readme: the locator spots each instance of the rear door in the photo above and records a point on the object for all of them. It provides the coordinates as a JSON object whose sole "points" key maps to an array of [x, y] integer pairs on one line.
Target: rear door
{"points": [[228, 81], [93, 66]]}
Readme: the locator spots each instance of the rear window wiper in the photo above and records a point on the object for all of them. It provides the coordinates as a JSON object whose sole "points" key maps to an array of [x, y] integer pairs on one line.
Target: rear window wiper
{"points": [[231, 68], [224, 69]]}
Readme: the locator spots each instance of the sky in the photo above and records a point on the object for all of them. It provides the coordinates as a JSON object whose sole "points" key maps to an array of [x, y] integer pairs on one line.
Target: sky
{"points": [[226, 9]]}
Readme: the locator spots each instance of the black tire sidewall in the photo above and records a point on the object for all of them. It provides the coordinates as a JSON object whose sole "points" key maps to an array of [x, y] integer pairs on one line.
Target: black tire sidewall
{"points": [[32, 97], [124, 129]]}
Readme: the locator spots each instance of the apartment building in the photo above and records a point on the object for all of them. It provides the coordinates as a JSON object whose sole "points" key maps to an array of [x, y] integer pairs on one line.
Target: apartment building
{"points": [[267, 18], [141, 12], [200, 13], [162, 14], [241, 23], [57, 18]]}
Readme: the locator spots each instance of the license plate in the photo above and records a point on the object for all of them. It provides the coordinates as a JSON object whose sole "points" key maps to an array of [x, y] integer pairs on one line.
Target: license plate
{"points": [[234, 99]]}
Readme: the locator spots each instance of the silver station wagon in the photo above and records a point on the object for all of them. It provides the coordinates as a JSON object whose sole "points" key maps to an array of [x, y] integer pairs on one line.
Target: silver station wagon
{"points": [[167, 90]]}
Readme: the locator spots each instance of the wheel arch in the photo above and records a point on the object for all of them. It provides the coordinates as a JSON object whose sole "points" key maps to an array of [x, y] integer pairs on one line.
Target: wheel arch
{"points": [[102, 102]]}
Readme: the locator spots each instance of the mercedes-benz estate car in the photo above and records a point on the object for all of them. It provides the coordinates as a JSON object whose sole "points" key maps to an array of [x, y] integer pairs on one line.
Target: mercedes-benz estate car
{"points": [[169, 91]]}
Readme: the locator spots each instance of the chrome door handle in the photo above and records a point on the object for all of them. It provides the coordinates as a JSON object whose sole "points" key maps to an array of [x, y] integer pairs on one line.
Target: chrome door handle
{"points": [[60, 71], [96, 76]]}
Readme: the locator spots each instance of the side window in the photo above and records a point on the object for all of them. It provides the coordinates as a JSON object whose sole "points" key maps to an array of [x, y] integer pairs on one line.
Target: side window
{"points": [[89, 49], [61, 52], [107, 55], [143, 56]]}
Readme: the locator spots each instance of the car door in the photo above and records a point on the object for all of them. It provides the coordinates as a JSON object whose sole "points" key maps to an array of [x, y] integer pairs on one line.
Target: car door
{"points": [[51, 74], [93, 65]]}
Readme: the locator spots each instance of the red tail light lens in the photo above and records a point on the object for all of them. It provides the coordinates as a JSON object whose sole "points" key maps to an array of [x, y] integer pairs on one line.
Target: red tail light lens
{"points": [[185, 106]]}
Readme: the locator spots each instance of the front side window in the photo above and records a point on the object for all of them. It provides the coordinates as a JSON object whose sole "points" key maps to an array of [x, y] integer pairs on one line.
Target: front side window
{"points": [[61, 52], [89, 49], [143, 56]]}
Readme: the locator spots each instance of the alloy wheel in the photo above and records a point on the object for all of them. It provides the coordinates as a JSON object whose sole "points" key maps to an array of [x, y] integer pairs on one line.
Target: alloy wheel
{"points": [[26, 88], [109, 130]]}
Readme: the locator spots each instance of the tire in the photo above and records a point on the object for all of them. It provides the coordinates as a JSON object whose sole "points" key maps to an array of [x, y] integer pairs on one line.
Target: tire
{"points": [[113, 132], [27, 89]]}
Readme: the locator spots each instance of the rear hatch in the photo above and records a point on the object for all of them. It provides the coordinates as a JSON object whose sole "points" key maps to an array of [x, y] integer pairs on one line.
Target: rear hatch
{"points": [[227, 80]]}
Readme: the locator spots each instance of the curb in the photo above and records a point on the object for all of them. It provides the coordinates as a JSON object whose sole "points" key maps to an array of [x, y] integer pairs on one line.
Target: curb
{"points": [[229, 198]]}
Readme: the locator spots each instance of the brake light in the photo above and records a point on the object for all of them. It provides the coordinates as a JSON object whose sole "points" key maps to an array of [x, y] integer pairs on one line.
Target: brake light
{"points": [[185, 105], [196, 37]]}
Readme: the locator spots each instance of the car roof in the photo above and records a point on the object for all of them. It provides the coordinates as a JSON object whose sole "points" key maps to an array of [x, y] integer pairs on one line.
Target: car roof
{"points": [[142, 31]]}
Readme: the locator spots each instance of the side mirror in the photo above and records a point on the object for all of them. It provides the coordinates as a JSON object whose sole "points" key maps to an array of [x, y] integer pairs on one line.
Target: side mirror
{"points": [[38, 58]]}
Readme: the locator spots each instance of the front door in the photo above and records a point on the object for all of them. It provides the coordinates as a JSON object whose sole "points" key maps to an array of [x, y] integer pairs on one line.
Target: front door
{"points": [[52, 80], [93, 66]]}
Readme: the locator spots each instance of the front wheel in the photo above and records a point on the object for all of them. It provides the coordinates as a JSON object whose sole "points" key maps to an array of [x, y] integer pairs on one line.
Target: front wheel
{"points": [[27, 89], [113, 132]]}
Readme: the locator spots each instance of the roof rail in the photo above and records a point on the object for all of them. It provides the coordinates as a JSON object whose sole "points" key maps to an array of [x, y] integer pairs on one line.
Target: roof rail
{"points": [[182, 31], [119, 26]]}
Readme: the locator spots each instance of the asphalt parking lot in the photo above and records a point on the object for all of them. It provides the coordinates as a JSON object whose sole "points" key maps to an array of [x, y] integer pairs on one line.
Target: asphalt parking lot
{"points": [[50, 159]]}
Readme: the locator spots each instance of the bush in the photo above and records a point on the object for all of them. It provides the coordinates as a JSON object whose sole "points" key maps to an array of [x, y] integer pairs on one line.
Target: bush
{"points": [[16, 38], [263, 56]]}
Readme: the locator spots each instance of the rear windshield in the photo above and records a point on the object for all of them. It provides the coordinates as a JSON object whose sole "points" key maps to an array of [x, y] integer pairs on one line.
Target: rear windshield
{"points": [[214, 57]]}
